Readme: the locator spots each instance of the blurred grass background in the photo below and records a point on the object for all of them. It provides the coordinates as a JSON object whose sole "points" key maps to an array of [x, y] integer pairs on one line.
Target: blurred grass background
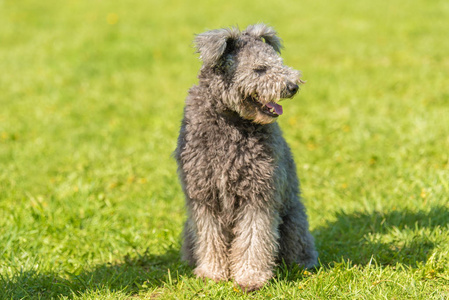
{"points": [[91, 98]]}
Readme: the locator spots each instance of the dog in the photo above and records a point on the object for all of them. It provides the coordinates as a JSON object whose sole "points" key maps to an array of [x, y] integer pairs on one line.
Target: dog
{"points": [[237, 172]]}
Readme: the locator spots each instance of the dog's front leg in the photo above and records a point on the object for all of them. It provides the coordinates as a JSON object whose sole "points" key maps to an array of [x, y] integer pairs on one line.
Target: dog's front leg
{"points": [[210, 246], [255, 246]]}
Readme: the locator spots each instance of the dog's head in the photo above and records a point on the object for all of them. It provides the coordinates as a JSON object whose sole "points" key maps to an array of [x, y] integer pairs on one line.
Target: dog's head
{"points": [[247, 70]]}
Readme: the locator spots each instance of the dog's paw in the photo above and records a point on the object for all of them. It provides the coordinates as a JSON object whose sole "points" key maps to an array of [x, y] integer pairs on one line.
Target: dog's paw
{"points": [[310, 261], [202, 272], [252, 280]]}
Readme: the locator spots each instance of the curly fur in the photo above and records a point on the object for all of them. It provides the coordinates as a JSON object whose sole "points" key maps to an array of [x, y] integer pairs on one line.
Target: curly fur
{"points": [[236, 170]]}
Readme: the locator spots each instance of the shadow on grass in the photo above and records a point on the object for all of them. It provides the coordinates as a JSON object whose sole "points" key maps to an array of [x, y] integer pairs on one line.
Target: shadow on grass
{"points": [[403, 236], [400, 236], [138, 272]]}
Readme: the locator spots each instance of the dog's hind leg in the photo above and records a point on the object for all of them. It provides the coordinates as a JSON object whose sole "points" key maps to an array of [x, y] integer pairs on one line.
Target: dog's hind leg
{"points": [[189, 240], [296, 242]]}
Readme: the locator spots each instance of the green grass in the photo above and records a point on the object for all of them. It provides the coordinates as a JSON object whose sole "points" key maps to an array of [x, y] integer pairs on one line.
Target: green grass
{"points": [[91, 97]]}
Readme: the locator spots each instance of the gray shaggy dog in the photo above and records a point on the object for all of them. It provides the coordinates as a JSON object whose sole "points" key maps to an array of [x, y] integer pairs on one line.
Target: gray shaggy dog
{"points": [[237, 172]]}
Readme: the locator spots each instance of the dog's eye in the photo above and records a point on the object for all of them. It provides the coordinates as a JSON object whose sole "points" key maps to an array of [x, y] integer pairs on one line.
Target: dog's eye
{"points": [[261, 69]]}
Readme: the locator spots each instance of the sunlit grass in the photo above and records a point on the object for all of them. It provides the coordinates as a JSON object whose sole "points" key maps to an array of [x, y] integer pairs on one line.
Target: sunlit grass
{"points": [[90, 105]]}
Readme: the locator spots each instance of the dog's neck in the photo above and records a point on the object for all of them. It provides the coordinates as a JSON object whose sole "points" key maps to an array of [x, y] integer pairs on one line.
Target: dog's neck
{"points": [[232, 118]]}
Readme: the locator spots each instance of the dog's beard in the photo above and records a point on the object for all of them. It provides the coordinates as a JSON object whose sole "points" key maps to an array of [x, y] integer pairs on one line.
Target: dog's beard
{"points": [[272, 108]]}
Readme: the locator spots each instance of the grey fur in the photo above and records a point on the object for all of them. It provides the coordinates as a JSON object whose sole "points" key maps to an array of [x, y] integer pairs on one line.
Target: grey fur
{"points": [[236, 170]]}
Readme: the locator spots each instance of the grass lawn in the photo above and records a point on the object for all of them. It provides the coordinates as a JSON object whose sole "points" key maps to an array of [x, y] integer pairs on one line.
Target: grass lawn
{"points": [[91, 98]]}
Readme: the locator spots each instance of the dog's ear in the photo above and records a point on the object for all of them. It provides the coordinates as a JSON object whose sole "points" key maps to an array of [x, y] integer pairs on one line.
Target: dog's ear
{"points": [[211, 45], [267, 33]]}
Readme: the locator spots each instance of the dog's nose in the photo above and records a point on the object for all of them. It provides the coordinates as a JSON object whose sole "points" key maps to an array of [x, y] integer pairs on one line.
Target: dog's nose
{"points": [[292, 87]]}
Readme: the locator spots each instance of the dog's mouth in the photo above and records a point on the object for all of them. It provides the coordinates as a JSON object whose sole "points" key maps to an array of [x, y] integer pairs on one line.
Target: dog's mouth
{"points": [[271, 108]]}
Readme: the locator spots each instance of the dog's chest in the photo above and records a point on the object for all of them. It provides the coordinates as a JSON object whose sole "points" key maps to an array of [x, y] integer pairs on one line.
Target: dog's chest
{"points": [[229, 166]]}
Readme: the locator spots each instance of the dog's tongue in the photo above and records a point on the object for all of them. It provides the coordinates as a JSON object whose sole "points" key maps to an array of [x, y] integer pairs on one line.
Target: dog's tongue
{"points": [[277, 108]]}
